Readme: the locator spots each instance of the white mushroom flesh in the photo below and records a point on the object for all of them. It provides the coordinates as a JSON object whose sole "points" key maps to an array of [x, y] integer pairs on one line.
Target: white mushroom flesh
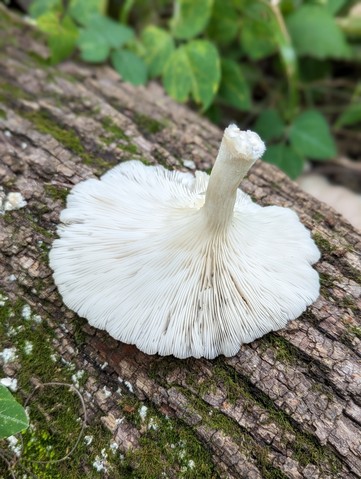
{"points": [[181, 264]]}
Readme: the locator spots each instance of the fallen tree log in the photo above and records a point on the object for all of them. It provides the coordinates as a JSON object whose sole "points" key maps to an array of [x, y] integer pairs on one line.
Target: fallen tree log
{"points": [[286, 406]]}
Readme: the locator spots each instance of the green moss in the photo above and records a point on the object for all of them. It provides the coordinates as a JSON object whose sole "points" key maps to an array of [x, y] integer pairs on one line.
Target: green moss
{"points": [[267, 470], [10, 92], [284, 351], [219, 422], [318, 217], [352, 273], [324, 245], [116, 135], [2, 114], [55, 411], [327, 283], [57, 192], [166, 447], [39, 60], [348, 302], [45, 124], [355, 330], [148, 125], [326, 280]]}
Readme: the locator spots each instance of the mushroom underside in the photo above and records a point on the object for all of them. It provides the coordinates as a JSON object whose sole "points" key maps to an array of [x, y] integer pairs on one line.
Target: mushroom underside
{"points": [[135, 258]]}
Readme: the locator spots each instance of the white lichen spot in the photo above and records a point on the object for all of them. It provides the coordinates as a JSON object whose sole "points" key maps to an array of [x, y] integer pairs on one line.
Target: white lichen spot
{"points": [[8, 355], [24, 145], [10, 383], [129, 386], [28, 347], [189, 164], [76, 376], [88, 440], [26, 312], [182, 454], [107, 393], [104, 365], [8, 134], [12, 278], [99, 464], [119, 391], [114, 447], [191, 464], [143, 412], [153, 424], [3, 299], [14, 445], [54, 357], [14, 201], [119, 420], [37, 318]]}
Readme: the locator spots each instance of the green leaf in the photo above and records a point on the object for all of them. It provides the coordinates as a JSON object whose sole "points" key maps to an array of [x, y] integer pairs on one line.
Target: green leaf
{"points": [[234, 88], [93, 46], [206, 70], [224, 23], [177, 75], [114, 33], [259, 31], [285, 158], [62, 34], [193, 68], [129, 66], [190, 17], [310, 136], [270, 125], [13, 418], [351, 116], [315, 32], [158, 46], [82, 10], [38, 8], [335, 6]]}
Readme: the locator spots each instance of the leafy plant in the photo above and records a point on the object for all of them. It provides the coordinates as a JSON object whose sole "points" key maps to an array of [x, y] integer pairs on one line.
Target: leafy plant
{"points": [[13, 417], [268, 65]]}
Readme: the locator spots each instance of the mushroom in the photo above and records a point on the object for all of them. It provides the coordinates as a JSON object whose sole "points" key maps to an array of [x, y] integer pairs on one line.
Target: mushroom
{"points": [[181, 264]]}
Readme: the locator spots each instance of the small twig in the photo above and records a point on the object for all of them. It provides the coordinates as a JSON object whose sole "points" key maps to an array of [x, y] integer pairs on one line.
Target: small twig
{"points": [[70, 386], [7, 462]]}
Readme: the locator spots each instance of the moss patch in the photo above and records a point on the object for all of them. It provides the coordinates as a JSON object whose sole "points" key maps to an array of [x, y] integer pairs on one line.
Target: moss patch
{"points": [[2, 114], [45, 124], [355, 330], [55, 411], [57, 192], [167, 446], [284, 351], [148, 125], [10, 92], [325, 246], [116, 135]]}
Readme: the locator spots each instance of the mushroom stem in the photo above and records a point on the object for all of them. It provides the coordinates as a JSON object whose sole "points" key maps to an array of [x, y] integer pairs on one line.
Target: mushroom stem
{"points": [[237, 153]]}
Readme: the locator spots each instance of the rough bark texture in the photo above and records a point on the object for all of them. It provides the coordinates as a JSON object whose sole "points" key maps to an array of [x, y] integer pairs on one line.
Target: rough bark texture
{"points": [[287, 405]]}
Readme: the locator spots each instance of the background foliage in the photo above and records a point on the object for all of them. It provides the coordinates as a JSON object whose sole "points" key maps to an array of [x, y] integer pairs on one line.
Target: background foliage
{"points": [[275, 66]]}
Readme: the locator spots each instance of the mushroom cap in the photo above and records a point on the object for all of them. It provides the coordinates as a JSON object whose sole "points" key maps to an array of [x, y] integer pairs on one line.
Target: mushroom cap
{"points": [[135, 258]]}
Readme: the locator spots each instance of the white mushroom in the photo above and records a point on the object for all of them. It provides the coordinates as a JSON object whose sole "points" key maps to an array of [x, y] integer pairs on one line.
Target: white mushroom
{"points": [[183, 265]]}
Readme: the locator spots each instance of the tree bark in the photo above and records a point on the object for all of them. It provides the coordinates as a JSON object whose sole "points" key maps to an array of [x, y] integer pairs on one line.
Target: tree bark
{"points": [[287, 405]]}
